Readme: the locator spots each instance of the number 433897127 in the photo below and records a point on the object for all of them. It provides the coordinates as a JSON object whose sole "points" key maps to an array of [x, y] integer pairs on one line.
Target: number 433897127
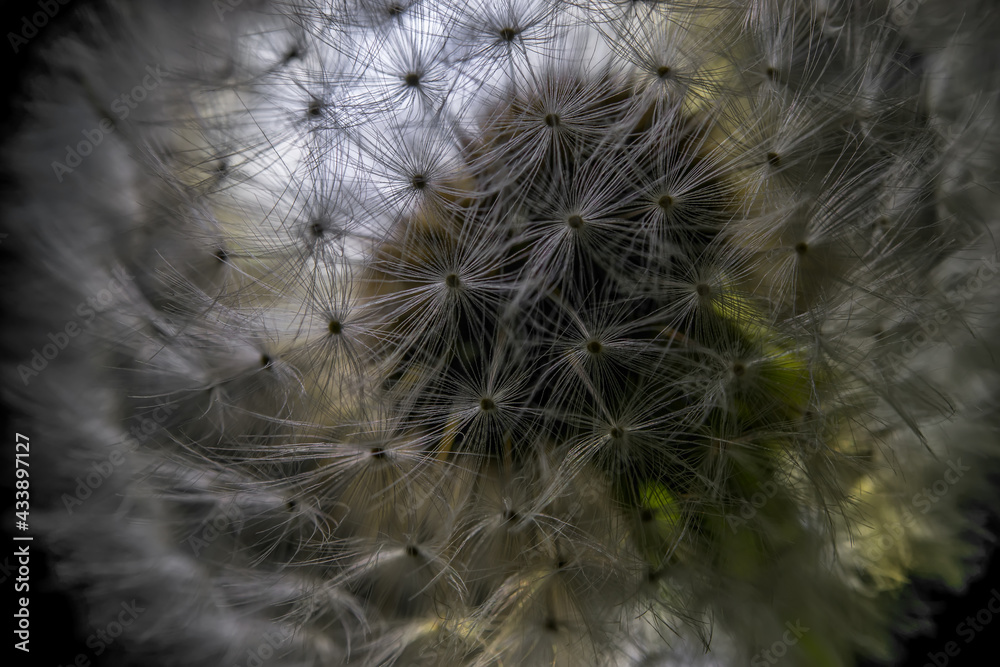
{"points": [[21, 453]]}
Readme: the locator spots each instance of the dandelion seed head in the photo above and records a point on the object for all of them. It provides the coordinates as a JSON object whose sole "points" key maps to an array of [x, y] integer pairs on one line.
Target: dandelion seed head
{"points": [[497, 320]]}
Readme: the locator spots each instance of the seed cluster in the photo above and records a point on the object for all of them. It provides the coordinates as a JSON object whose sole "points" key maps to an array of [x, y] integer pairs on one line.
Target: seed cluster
{"points": [[522, 332]]}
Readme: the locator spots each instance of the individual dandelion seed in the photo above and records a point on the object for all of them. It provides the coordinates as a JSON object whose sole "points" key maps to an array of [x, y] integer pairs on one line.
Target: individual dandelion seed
{"points": [[527, 332], [500, 36], [409, 65]]}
